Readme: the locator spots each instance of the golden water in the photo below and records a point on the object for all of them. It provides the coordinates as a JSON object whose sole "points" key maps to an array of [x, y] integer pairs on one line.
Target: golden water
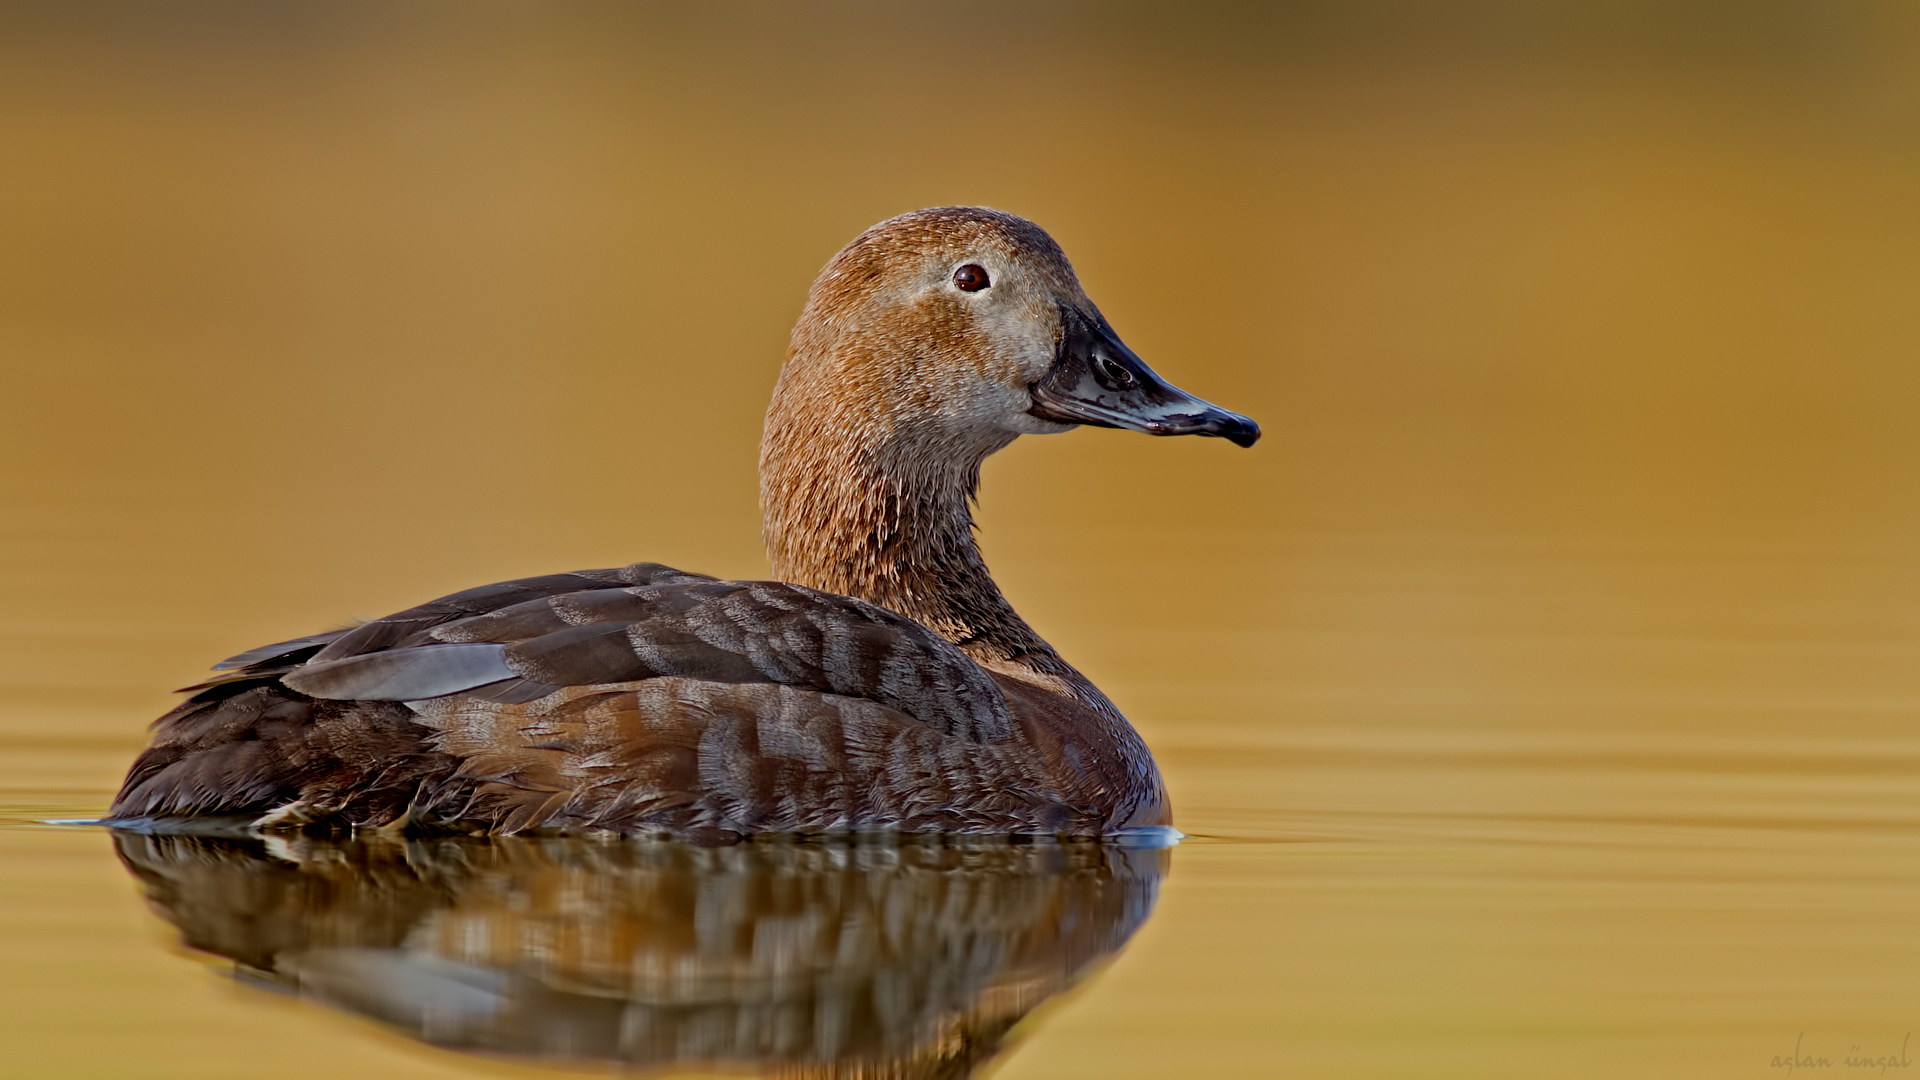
{"points": [[1542, 695]]}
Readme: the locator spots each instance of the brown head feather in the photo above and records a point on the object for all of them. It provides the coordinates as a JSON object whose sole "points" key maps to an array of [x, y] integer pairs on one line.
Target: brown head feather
{"points": [[897, 386]]}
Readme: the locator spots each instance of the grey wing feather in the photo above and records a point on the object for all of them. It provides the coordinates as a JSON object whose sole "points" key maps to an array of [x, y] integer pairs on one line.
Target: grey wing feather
{"points": [[424, 671]]}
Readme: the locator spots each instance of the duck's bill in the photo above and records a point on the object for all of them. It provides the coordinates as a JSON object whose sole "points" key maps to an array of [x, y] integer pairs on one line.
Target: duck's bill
{"points": [[1095, 379]]}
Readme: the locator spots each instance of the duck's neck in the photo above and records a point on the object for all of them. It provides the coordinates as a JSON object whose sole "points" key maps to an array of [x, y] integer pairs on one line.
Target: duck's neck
{"points": [[853, 510]]}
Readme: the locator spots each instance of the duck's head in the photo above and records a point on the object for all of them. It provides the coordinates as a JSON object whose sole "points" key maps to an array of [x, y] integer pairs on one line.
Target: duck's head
{"points": [[956, 329]]}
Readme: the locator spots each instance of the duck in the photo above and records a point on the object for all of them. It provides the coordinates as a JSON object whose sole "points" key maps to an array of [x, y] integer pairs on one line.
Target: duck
{"points": [[878, 682]]}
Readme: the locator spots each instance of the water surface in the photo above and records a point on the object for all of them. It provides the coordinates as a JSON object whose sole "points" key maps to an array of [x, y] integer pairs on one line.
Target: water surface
{"points": [[1540, 695]]}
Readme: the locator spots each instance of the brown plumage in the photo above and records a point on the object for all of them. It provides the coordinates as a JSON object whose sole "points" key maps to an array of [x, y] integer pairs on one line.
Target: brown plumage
{"points": [[883, 683]]}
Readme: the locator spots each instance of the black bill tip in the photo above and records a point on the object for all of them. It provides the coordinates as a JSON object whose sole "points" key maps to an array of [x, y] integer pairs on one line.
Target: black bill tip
{"points": [[1217, 422], [1243, 432]]}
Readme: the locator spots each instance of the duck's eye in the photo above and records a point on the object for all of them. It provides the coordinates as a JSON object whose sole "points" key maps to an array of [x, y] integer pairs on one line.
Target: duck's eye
{"points": [[1110, 373], [971, 278]]}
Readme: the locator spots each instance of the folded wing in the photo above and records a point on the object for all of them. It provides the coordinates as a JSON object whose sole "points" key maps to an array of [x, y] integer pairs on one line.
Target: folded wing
{"points": [[666, 625], [621, 699]]}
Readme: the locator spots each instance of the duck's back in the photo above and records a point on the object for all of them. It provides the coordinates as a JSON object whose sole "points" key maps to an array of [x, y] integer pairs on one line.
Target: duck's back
{"points": [[631, 699]]}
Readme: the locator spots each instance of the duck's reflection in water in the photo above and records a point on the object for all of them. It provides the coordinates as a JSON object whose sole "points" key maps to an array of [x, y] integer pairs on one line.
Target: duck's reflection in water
{"points": [[897, 959]]}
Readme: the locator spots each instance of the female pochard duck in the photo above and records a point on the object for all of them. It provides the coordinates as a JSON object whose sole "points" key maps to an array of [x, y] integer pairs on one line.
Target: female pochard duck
{"points": [[881, 683]]}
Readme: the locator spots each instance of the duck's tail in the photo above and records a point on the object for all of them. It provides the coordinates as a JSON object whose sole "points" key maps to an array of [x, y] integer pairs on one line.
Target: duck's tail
{"points": [[256, 748]]}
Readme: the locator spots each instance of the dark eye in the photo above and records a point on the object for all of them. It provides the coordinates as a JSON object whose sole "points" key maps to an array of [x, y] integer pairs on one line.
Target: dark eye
{"points": [[971, 278], [1110, 374]]}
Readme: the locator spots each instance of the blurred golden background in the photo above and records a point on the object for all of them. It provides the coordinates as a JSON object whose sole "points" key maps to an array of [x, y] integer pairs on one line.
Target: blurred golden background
{"points": [[1541, 691]]}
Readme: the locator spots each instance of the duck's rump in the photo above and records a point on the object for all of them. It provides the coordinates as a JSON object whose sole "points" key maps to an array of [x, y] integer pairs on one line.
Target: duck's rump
{"points": [[630, 700]]}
